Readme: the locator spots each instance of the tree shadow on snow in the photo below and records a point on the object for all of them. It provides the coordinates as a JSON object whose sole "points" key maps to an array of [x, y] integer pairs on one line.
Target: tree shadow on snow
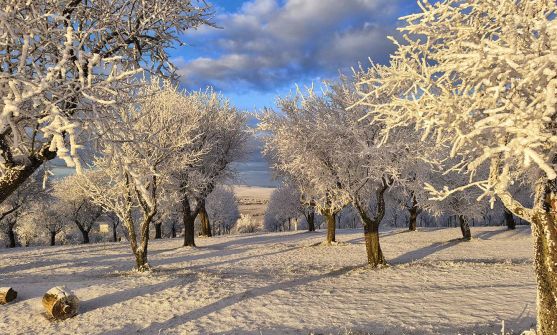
{"points": [[418, 254], [159, 327], [127, 294]]}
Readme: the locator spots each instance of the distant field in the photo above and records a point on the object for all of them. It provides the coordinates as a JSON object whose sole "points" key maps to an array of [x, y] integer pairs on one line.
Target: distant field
{"points": [[253, 200]]}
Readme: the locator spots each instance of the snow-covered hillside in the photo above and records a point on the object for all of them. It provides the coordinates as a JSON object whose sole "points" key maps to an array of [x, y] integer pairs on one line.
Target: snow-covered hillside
{"points": [[284, 283]]}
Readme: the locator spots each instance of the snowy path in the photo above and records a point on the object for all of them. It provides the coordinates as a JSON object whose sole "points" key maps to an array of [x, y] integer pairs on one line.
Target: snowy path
{"points": [[282, 284]]}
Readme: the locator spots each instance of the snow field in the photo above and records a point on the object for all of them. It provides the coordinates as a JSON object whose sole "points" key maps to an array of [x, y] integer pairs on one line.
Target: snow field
{"points": [[283, 283]]}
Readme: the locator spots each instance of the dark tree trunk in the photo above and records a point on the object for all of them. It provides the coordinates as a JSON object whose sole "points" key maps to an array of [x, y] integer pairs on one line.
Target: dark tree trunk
{"points": [[375, 256], [11, 237], [330, 217], [465, 228], [414, 211], [52, 238], [189, 222], [173, 230], [311, 220], [412, 225], [189, 231], [509, 219], [114, 233], [205, 223], [85, 234], [19, 170], [158, 230], [141, 260]]}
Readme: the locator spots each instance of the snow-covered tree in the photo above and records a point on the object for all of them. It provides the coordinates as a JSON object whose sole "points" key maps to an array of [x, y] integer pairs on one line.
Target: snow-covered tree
{"points": [[48, 219], [247, 224], [27, 230], [75, 206], [221, 139], [341, 159], [285, 204], [64, 63], [482, 77], [17, 204], [222, 210], [148, 139], [300, 142]]}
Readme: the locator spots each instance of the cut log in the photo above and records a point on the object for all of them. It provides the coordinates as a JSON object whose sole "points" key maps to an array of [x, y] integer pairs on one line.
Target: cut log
{"points": [[60, 304], [7, 294]]}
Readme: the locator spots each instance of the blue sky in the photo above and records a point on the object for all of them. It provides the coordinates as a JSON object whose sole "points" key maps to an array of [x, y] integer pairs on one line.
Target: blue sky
{"points": [[263, 48]]}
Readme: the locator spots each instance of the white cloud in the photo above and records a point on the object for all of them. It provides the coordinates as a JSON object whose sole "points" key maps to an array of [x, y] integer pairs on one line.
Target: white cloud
{"points": [[266, 44]]}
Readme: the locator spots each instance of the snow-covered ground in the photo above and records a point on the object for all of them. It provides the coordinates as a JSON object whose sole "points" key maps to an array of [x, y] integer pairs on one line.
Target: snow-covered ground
{"points": [[282, 283]]}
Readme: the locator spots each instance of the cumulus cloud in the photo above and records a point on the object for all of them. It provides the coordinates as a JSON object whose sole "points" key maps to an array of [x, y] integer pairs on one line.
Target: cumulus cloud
{"points": [[271, 43]]}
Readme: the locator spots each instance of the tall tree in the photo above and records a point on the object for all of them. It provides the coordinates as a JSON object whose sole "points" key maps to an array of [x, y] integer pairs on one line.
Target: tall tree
{"points": [[222, 209], [75, 206], [147, 140], [65, 63], [482, 77], [221, 139]]}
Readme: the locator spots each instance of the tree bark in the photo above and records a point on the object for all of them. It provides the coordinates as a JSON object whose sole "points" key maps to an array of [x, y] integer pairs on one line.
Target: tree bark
{"points": [[375, 256], [173, 230], [189, 221], [189, 231], [205, 223], [509, 219], [544, 230], [7, 294], [311, 220], [414, 211], [60, 304], [330, 217], [11, 237], [465, 228], [52, 238], [20, 170], [158, 230], [114, 233], [85, 234]]}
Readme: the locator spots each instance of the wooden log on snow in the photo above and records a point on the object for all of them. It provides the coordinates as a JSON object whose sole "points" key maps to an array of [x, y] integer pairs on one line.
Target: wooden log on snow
{"points": [[7, 294], [60, 304]]}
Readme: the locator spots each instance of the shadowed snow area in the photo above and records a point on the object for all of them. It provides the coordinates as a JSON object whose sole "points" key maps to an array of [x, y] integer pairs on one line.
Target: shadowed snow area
{"points": [[282, 283]]}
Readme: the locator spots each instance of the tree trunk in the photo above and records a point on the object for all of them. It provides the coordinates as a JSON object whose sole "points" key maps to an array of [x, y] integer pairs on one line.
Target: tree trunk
{"points": [[544, 230], [7, 294], [11, 237], [375, 256], [158, 230], [173, 230], [114, 234], [85, 234], [52, 238], [60, 304], [311, 220], [465, 228], [412, 225], [331, 226], [205, 223], [509, 219], [414, 211], [141, 259], [189, 231], [20, 170]]}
